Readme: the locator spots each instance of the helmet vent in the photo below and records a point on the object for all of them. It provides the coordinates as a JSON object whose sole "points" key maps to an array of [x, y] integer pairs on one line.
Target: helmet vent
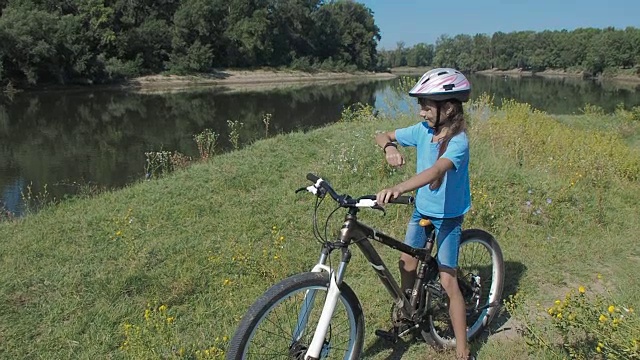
{"points": [[449, 87], [443, 73], [425, 81]]}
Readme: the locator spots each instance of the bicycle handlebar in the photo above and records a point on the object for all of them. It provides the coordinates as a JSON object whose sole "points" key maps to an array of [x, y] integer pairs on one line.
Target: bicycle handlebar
{"points": [[345, 200]]}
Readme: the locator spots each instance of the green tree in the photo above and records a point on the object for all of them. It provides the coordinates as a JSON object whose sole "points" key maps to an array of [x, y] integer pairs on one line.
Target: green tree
{"points": [[325, 34], [358, 33], [445, 55], [420, 55], [198, 36], [248, 31], [27, 47], [293, 32]]}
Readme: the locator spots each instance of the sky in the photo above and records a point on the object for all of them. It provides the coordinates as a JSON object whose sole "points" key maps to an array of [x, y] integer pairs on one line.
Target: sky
{"points": [[416, 21]]}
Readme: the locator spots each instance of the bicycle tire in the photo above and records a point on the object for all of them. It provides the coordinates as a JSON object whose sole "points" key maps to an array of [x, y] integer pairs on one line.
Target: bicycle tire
{"points": [[245, 343], [439, 325]]}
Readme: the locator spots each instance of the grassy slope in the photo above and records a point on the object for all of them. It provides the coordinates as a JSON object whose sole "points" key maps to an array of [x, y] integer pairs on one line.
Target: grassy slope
{"points": [[209, 240]]}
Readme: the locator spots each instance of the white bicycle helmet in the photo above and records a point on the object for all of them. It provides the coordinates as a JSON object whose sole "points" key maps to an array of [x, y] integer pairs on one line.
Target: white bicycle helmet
{"points": [[442, 84]]}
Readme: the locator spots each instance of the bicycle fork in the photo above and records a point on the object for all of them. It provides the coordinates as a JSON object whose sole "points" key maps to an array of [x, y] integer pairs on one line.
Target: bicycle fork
{"points": [[316, 346]]}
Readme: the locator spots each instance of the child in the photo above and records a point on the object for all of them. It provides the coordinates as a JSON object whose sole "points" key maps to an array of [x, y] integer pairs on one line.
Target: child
{"points": [[442, 181]]}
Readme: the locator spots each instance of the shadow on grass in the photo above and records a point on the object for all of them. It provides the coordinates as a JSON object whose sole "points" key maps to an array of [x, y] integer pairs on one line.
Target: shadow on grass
{"points": [[397, 349], [513, 273]]}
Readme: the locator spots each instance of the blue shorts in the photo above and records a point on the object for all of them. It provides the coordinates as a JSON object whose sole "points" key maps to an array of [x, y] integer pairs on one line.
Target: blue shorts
{"points": [[448, 234]]}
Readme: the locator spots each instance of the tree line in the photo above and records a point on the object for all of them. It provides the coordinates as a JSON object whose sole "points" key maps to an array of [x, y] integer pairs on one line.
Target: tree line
{"points": [[588, 49], [96, 41]]}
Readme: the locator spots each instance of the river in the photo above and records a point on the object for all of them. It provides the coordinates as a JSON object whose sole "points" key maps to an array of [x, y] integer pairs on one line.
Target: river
{"points": [[59, 143]]}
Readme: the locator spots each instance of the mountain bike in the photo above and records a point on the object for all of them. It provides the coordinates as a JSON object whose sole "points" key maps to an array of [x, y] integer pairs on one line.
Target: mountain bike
{"points": [[317, 315]]}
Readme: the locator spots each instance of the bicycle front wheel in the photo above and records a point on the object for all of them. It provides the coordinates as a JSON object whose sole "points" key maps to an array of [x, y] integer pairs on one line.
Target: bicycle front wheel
{"points": [[480, 278], [281, 324]]}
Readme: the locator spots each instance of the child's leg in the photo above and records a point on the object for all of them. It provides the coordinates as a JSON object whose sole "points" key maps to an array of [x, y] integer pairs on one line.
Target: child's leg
{"points": [[448, 236], [415, 237], [456, 311]]}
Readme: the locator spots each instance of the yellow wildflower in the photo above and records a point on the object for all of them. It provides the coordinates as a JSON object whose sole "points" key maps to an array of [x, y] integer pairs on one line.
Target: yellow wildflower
{"points": [[147, 314], [581, 290], [599, 276], [281, 238], [550, 311], [602, 318], [225, 338], [170, 319], [557, 302], [162, 308], [226, 282], [559, 316], [118, 233], [611, 309], [598, 349]]}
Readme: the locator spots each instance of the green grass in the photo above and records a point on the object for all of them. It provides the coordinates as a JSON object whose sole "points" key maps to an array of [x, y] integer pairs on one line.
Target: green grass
{"points": [[207, 241]]}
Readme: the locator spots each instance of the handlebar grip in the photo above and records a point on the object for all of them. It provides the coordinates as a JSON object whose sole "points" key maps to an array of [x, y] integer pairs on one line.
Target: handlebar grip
{"points": [[312, 178], [405, 200]]}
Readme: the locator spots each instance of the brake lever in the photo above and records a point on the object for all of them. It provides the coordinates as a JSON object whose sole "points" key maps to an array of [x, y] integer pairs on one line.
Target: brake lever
{"points": [[378, 207], [319, 192]]}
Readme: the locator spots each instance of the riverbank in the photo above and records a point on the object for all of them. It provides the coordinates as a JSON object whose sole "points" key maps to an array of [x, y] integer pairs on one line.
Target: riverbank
{"points": [[246, 79], [229, 79], [622, 77]]}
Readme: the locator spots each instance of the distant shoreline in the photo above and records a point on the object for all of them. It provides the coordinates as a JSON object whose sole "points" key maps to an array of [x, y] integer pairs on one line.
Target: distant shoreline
{"points": [[271, 78], [246, 79], [227, 78], [405, 70], [557, 73]]}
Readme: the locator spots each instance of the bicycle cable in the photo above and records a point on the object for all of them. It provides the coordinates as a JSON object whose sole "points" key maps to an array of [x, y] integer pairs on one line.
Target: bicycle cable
{"points": [[326, 223], [316, 231]]}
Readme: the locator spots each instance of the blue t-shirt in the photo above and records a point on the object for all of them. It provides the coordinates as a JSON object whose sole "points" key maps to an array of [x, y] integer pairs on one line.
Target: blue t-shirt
{"points": [[453, 197]]}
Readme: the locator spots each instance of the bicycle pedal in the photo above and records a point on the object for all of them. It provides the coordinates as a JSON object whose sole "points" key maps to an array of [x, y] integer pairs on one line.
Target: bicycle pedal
{"points": [[388, 335]]}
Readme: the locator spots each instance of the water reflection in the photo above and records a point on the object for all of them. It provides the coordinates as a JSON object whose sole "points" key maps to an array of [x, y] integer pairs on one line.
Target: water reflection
{"points": [[60, 138], [557, 95], [100, 137]]}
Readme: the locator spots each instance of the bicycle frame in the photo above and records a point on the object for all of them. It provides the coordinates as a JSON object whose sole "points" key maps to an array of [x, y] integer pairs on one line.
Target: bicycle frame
{"points": [[355, 232]]}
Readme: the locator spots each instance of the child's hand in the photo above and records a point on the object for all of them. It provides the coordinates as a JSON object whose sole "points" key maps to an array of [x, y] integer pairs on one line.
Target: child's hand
{"points": [[385, 195], [393, 156], [434, 185]]}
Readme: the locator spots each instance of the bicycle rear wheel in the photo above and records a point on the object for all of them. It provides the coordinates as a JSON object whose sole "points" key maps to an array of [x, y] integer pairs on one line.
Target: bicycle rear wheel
{"points": [[480, 277], [281, 324]]}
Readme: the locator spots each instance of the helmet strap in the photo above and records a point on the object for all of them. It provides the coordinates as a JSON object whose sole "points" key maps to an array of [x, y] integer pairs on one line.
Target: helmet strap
{"points": [[437, 124]]}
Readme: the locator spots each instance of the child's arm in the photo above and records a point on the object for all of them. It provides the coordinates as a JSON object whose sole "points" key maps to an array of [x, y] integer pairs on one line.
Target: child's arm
{"points": [[431, 175], [393, 156]]}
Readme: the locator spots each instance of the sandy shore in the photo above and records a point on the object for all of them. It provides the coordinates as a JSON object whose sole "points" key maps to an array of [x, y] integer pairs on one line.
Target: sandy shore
{"points": [[246, 79]]}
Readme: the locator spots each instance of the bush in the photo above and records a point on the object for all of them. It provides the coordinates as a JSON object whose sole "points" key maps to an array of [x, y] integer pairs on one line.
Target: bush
{"points": [[584, 325]]}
